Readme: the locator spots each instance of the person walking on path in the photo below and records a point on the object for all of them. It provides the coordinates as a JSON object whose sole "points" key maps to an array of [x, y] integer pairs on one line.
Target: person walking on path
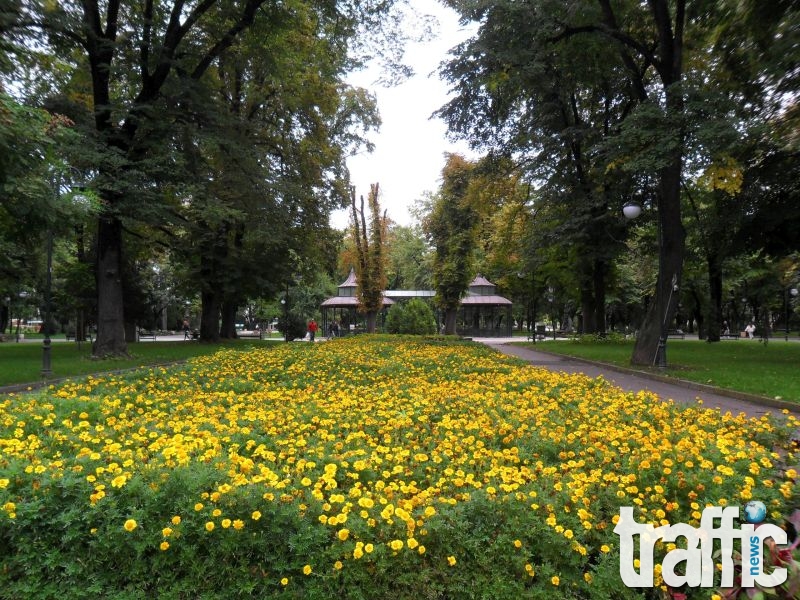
{"points": [[312, 330]]}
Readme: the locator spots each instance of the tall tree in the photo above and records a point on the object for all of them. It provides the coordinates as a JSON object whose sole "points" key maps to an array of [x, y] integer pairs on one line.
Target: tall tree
{"points": [[370, 255], [649, 41], [138, 54], [451, 227], [553, 107]]}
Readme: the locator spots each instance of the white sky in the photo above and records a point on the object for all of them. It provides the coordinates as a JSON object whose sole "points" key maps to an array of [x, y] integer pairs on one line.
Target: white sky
{"points": [[410, 146]]}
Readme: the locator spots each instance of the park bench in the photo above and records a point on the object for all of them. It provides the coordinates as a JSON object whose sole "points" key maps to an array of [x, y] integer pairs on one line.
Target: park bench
{"points": [[676, 334], [146, 334], [729, 336], [249, 334], [70, 337], [538, 334]]}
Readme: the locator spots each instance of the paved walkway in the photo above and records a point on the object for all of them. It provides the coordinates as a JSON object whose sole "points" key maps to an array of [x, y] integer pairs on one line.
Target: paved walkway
{"points": [[631, 380]]}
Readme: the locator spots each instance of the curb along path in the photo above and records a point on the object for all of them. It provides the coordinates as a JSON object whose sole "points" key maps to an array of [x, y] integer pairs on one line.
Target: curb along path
{"points": [[629, 380]]}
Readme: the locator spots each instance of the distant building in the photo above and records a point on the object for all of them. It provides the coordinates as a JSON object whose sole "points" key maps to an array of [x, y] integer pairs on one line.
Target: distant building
{"points": [[483, 313]]}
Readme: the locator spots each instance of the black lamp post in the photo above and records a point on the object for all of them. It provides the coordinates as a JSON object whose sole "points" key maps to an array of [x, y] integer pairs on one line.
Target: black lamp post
{"points": [[793, 293], [285, 306], [10, 320], [46, 358], [631, 210], [23, 295], [46, 344], [56, 183]]}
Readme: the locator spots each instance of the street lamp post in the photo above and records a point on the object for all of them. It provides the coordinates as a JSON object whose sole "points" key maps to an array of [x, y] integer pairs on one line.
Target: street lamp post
{"points": [[23, 295], [285, 306], [631, 210], [56, 183], [793, 293], [46, 344]]}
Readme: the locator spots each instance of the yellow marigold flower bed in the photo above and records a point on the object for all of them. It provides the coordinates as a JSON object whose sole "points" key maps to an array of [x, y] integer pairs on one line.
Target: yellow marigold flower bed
{"points": [[377, 460]]}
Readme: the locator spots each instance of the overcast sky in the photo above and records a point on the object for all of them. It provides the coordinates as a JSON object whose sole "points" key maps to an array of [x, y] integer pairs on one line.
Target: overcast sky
{"points": [[410, 146]]}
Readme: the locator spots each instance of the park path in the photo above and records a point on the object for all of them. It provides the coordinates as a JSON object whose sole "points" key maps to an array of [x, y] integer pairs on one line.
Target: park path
{"points": [[630, 380]]}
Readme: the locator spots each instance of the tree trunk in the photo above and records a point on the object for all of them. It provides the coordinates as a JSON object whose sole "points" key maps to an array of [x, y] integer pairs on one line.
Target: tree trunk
{"points": [[372, 321], [671, 250], [228, 326], [4, 319], [599, 281], [110, 312], [715, 291], [450, 315], [209, 317], [588, 307]]}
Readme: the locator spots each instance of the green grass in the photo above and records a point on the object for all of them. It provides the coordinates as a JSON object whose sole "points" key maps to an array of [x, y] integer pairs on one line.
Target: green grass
{"points": [[22, 363], [745, 366]]}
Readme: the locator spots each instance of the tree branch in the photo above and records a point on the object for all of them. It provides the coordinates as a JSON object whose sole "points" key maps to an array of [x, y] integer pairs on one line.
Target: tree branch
{"points": [[246, 19], [144, 46]]}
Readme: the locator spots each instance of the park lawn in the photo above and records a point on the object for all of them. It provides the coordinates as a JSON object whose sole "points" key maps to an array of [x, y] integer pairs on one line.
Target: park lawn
{"points": [[771, 370], [22, 363]]}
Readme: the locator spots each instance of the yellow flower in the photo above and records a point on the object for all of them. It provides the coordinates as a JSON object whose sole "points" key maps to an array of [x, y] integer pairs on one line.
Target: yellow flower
{"points": [[164, 545], [529, 569], [451, 560], [412, 543], [166, 532], [555, 580], [226, 523], [285, 581], [368, 548], [238, 524], [421, 549], [343, 534], [199, 506], [517, 544], [396, 545], [338, 565], [176, 520], [307, 570], [130, 525], [256, 515], [210, 526]]}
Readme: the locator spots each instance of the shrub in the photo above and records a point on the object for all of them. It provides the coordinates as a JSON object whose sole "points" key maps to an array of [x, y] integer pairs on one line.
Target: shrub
{"points": [[414, 317]]}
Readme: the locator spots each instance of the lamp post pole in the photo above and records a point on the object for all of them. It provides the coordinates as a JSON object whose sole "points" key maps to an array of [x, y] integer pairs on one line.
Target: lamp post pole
{"points": [[663, 307], [23, 295], [793, 293], [46, 344], [631, 210], [285, 305]]}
